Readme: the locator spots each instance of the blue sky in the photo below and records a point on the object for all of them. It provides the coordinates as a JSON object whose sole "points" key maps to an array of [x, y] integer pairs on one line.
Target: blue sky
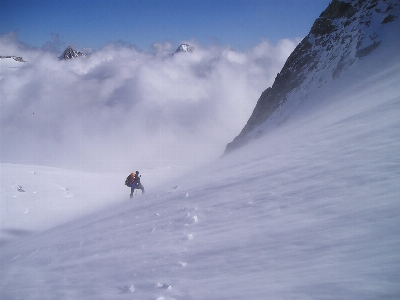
{"points": [[92, 24]]}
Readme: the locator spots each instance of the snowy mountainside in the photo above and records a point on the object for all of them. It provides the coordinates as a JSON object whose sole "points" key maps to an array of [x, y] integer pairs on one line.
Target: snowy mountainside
{"points": [[308, 211], [343, 34]]}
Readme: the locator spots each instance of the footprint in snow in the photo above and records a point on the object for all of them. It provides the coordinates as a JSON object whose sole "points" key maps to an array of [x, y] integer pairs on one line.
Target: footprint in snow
{"points": [[165, 286], [183, 264], [125, 289], [191, 220]]}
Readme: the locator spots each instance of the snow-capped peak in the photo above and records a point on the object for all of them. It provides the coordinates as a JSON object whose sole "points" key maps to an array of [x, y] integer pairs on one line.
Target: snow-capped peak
{"points": [[184, 48], [71, 53]]}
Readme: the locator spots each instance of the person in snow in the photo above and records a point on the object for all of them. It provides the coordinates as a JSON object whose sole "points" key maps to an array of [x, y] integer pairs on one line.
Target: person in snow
{"points": [[134, 178]]}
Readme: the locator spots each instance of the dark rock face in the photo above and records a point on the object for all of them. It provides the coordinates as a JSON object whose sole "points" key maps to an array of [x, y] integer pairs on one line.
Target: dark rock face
{"points": [[345, 32]]}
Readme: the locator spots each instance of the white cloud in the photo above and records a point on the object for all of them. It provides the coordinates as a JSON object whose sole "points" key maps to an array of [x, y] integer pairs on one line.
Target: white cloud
{"points": [[124, 108]]}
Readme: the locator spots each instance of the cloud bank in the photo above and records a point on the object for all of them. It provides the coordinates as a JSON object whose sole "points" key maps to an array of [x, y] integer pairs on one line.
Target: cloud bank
{"points": [[124, 109]]}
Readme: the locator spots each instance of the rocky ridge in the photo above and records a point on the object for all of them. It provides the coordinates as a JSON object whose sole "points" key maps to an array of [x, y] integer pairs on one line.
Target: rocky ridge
{"points": [[344, 33], [70, 53], [16, 58]]}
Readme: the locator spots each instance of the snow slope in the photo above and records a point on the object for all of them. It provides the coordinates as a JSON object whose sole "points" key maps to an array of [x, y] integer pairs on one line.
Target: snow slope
{"points": [[309, 211], [10, 63], [37, 198]]}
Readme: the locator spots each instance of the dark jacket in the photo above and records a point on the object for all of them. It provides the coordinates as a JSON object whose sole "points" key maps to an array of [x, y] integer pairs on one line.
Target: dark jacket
{"points": [[137, 178]]}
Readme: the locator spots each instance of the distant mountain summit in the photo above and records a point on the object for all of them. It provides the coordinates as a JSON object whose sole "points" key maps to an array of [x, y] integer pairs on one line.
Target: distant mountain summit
{"points": [[184, 48], [345, 32], [16, 58], [70, 53]]}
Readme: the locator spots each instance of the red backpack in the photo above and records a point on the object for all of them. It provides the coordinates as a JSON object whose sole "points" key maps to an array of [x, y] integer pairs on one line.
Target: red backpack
{"points": [[129, 179]]}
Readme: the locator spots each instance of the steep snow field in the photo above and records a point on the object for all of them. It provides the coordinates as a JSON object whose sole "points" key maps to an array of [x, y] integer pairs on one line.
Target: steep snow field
{"points": [[309, 211]]}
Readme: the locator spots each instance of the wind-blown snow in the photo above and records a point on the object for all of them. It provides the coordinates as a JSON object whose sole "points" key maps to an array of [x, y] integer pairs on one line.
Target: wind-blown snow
{"points": [[35, 198], [309, 211]]}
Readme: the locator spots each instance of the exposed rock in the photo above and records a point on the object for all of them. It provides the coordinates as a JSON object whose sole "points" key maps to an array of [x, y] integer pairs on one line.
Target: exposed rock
{"points": [[16, 58], [70, 53]]}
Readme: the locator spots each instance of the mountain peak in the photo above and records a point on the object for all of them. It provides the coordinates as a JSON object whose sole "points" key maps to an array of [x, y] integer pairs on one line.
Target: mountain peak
{"points": [[70, 53], [184, 48]]}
